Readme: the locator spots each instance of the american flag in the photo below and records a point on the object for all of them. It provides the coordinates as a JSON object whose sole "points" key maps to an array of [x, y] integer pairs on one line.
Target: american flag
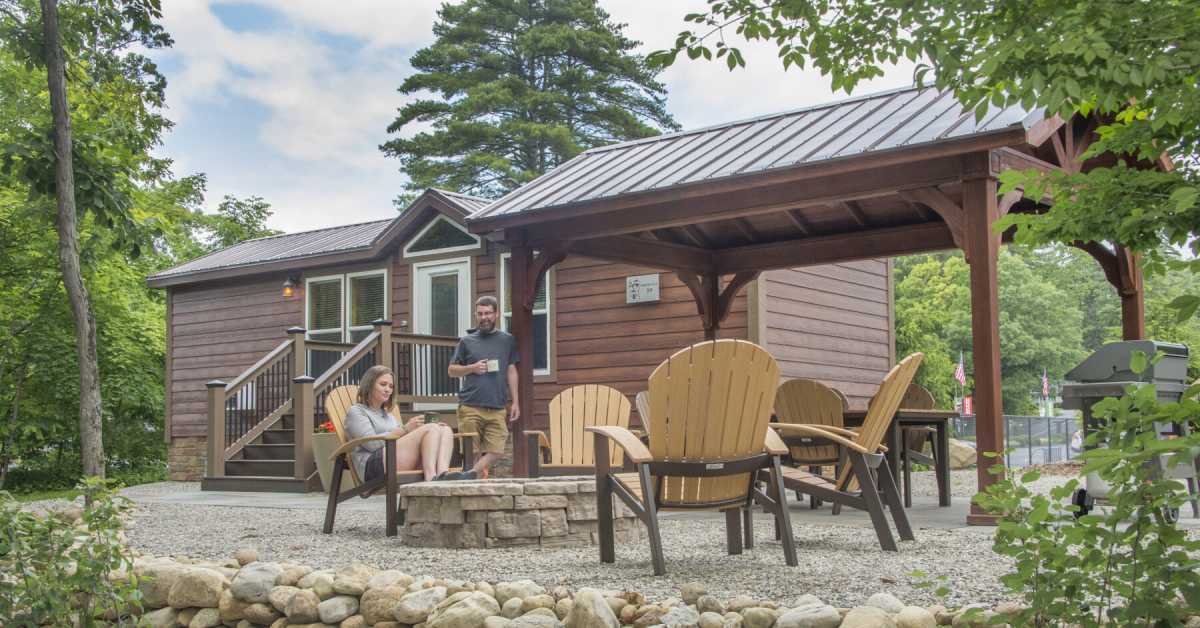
{"points": [[1045, 384], [960, 373]]}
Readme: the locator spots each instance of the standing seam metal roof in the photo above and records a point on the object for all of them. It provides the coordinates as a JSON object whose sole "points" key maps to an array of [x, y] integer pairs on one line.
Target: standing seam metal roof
{"points": [[878, 122]]}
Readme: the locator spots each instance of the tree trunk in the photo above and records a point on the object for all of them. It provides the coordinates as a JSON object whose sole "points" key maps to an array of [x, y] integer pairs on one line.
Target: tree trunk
{"points": [[90, 438]]}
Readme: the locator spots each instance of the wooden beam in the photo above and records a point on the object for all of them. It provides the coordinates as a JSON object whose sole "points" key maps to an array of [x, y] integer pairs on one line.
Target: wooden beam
{"points": [[875, 243], [522, 264], [643, 253], [855, 211], [800, 221], [744, 203], [747, 229], [1009, 159], [698, 236], [950, 211], [920, 210]]}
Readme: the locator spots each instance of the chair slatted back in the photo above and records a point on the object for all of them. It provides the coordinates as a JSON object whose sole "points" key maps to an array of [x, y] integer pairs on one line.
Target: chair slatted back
{"points": [[810, 402], [710, 402], [585, 406], [642, 402], [337, 405], [883, 408]]}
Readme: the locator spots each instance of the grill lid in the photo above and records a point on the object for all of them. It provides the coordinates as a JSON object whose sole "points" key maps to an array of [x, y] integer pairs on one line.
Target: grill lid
{"points": [[1110, 363]]}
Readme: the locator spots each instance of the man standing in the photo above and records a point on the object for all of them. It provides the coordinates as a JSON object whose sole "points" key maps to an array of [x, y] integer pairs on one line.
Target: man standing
{"points": [[486, 360]]}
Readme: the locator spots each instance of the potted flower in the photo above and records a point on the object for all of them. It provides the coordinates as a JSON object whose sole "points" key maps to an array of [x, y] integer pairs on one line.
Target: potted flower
{"points": [[325, 441]]}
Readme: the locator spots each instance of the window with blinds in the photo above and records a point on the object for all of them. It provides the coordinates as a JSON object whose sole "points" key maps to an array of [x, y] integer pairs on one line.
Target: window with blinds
{"points": [[342, 307], [541, 315]]}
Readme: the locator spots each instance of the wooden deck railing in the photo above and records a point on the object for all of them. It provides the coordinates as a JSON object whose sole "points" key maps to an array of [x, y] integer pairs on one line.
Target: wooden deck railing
{"points": [[283, 383]]}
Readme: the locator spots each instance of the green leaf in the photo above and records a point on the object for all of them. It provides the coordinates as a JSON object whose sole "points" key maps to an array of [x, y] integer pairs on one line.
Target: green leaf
{"points": [[1185, 306]]}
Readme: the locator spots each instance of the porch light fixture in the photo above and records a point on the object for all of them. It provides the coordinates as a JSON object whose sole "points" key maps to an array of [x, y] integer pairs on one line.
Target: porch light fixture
{"points": [[289, 287]]}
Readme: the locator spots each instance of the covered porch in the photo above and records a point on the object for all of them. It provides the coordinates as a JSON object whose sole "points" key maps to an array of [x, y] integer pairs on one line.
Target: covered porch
{"points": [[891, 174]]}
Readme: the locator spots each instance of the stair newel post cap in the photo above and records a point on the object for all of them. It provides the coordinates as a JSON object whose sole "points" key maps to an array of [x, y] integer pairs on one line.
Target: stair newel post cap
{"points": [[380, 322], [303, 379], [215, 384], [296, 330]]}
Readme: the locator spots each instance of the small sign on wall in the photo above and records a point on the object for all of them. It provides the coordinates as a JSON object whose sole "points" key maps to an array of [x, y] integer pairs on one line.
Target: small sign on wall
{"points": [[641, 289]]}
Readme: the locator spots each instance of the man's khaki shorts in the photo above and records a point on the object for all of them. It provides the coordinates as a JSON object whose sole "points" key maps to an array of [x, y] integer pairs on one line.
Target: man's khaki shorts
{"points": [[490, 423]]}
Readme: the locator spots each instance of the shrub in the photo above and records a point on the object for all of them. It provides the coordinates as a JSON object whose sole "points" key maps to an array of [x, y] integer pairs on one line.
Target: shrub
{"points": [[54, 569], [1132, 564]]}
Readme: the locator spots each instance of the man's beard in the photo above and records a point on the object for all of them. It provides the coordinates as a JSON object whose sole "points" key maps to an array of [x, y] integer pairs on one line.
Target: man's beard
{"points": [[486, 326]]}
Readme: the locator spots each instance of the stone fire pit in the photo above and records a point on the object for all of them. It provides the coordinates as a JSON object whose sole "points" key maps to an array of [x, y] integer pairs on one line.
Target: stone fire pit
{"points": [[509, 512]]}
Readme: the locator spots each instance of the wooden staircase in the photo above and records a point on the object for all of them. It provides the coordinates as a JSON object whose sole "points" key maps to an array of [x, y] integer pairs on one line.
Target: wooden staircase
{"points": [[268, 464]]}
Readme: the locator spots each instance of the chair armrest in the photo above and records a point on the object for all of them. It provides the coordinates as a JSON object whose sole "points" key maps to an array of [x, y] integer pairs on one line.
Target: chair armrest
{"points": [[462, 435], [543, 440], [634, 449], [774, 444], [820, 431], [365, 439]]}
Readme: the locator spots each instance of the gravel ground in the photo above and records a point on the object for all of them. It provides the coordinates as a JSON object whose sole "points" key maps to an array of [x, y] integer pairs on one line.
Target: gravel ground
{"points": [[842, 564]]}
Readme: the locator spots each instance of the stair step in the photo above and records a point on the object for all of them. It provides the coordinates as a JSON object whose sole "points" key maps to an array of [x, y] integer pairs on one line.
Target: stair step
{"points": [[269, 451], [278, 437], [259, 484], [267, 468]]}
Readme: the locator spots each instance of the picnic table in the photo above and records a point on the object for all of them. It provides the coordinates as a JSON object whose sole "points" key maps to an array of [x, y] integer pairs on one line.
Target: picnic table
{"points": [[937, 419]]}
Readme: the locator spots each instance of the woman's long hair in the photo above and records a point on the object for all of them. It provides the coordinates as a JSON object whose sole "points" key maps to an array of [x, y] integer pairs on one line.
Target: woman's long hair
{"points": [[367, 384]]}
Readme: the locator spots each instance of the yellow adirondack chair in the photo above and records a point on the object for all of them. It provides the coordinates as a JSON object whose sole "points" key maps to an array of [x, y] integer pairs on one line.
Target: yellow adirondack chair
{"points": [[810, 402], [709, 405], [855, 484], [337, 404], [565, 450]]}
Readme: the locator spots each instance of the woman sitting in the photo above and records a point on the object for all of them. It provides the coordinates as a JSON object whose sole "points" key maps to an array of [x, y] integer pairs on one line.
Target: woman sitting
{"points": [[422, 445]]}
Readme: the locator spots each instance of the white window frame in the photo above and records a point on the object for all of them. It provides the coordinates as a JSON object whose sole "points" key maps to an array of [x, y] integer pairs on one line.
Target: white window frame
{"points": [[420, 295], [308, 282], [345, 278], [442, 251], [505, 261], [346, 300]]}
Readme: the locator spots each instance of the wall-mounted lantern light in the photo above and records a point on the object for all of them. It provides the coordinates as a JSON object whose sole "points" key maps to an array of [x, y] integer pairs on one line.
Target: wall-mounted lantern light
{"points": [[289, 287]]}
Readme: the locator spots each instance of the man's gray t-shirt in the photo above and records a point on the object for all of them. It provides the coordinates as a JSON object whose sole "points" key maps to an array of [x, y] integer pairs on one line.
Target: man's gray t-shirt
{"points": [[489, 390]]}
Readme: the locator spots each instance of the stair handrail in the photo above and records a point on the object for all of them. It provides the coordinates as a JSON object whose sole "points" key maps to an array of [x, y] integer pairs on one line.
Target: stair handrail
{"points": [[349, 359], [261, 365]]}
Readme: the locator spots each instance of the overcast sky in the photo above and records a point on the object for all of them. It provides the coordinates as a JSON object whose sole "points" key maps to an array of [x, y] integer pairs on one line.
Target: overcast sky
{"points": [[290, 99]]}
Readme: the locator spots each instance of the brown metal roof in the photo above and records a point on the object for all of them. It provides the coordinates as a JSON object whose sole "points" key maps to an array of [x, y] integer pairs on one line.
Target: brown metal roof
{"points": [[874, 123], [361, 237]]}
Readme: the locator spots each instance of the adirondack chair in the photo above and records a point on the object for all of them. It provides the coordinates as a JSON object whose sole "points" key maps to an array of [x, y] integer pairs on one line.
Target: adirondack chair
{"points": [[855, 485], [565, 450], [709, 408], [914, 439], [337, 404], [809, 402]]}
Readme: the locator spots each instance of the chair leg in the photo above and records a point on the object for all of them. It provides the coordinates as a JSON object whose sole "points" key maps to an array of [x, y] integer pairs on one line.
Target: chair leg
{"points": [[748, 526], [393, 501], [893, 501], [782, 517], [648, 497], [604, 505], [813, 502], [906, 469], [870, 495], [335, 487], [733, 531]]}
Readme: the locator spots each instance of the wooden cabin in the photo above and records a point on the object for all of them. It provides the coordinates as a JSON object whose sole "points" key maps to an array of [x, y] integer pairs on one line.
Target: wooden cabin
{"points": [[237, 316]]}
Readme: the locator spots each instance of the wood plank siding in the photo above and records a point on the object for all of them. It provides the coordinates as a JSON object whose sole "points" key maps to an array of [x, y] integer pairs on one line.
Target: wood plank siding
{"points": [[831, 323], [216, 332]]}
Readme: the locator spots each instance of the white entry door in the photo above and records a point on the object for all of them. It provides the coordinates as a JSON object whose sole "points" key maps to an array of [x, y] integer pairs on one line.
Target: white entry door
{"points": [[441, 307]]}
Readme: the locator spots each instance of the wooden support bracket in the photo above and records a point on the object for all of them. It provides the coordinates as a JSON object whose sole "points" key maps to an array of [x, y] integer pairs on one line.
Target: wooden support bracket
{"points": [[1122, 269], [952, 213], [712, 303], [542, 261]]}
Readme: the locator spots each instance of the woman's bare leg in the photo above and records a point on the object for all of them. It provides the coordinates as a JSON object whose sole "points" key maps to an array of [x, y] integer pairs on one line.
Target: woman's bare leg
{"points": [[408, 450], [445, 446]]}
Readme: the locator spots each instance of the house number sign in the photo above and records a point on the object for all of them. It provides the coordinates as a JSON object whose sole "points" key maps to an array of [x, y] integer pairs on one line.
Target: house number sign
{"points": [[641, 289]]}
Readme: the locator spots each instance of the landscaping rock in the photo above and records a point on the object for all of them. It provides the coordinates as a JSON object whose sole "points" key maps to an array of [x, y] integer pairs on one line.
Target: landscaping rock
{"points": [[354, 621], [681, 617], [262, 614], [511, 609], [544, 600], [245, 556], [733, 620], [962, 454], [537, 618], [759, 617], [486, 588], [616, 604], [463, 610], [505, 591], [497, 621], [915, 617], [337, 608], [161, 618], [885, 601], [376, 604], [254, 581], [302, 608], [156, 581], [691, 591], [280, 596], [711, 620], [868, 617], [185, 616], [389, 578], [199, 588], [591, 610], [415, 607], [307, 580], [206, 618], [322, 585], [292, 575], [230, 608], [710, 604], [810, 616], [562, 608], [740, 602]]}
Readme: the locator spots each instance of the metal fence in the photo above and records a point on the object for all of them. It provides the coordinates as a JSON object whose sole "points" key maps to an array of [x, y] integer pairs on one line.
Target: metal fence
{"points": [[1029, 439]]}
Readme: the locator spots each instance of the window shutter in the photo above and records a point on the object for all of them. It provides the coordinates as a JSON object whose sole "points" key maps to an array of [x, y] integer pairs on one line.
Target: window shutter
{"points": [[367, 296], [325, 305]]}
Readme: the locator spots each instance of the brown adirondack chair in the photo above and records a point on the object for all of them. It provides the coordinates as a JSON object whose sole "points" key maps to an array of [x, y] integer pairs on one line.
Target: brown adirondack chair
{"points": [[809, 402], [855, 484], [337, 404], [566, 450], [709, 408], [914, 439]]}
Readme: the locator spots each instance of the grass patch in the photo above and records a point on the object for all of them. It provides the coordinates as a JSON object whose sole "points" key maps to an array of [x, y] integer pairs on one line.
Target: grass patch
{"points": [[37, 496]]}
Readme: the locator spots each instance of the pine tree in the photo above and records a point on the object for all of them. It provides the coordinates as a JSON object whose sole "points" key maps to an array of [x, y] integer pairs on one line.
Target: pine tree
{"points": [[519, 87]]}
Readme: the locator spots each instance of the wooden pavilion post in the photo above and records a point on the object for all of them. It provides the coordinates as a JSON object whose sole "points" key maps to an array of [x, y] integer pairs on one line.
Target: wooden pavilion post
{"points": [[521, 294], [981, 210], [712, 302], [1121, 268]]}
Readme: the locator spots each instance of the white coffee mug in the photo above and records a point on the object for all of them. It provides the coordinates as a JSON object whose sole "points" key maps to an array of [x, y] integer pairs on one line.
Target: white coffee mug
{"points": [[493, 366]]}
